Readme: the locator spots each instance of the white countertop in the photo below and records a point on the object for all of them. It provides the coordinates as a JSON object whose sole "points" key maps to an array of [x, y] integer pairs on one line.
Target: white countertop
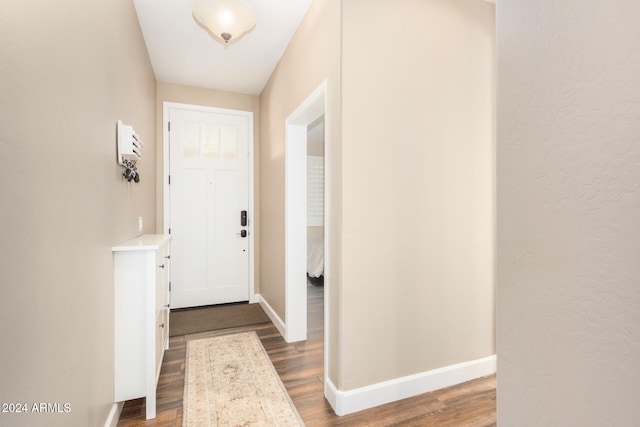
{"points": [[142, 243]]}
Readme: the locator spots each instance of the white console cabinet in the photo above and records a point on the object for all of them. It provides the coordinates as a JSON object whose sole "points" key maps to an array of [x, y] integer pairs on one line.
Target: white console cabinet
{"points": [[141, 272]]}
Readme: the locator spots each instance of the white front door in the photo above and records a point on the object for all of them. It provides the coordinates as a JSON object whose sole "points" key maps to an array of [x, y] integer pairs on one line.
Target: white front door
{"points": [[208, 191]]}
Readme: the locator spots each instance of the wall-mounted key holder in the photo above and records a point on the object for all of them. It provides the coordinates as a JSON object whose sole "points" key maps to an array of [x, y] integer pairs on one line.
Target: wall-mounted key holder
{"points": [[129, 151], [131, 172]]}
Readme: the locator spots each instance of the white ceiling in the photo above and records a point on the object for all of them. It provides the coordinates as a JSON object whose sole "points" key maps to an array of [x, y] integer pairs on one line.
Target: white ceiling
{"points": [[184, 53]]}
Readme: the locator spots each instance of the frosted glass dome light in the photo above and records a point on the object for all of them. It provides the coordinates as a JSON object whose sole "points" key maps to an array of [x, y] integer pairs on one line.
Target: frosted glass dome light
{"points": [[227, 20]]}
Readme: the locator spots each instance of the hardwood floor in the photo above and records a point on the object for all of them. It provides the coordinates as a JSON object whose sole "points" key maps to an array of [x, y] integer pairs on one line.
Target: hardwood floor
{"points": [[300, 366]]}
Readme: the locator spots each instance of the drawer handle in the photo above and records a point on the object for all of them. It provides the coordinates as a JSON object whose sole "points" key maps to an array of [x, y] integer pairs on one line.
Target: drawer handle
{"points": [[161, 266], [162, 325]]}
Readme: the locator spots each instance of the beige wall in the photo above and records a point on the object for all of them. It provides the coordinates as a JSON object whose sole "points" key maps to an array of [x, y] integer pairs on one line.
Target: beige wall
{"points": [[568, 205], [316, 233], [315, 146], [418, 193], [312, 56], [70, 70], [167, 92]]}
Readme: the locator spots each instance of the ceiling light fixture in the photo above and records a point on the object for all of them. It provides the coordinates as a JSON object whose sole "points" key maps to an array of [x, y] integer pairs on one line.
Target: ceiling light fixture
{"points": [[226, 20]]}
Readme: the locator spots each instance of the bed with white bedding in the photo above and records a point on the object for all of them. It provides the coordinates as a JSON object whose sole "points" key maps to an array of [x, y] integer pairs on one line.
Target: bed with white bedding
{"points": [[315, 258]]}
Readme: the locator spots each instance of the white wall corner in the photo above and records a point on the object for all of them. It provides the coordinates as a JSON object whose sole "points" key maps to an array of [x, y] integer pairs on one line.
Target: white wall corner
{"points": [[114, 415], [348, 402], [277, 321]]}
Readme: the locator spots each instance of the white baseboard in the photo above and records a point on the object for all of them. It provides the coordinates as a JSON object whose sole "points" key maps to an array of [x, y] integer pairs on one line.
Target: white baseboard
{"points": [[277, 321], [347, 402], [114, 415]]}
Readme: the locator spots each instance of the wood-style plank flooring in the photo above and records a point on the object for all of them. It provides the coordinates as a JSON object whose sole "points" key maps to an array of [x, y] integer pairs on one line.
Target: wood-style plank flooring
{"points": [[300, 366]]}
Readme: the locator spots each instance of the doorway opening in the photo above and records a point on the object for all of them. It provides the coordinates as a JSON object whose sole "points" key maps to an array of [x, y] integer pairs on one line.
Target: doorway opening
{"points": [[311, 112]]}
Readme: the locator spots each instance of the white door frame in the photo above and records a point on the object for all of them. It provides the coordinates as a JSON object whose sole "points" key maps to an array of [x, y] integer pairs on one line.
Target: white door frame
{"points": [[166, 107], [296, 217]]}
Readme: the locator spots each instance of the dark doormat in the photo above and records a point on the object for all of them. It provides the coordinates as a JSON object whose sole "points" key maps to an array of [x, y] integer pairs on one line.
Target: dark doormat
{"points": [[211, 318]]}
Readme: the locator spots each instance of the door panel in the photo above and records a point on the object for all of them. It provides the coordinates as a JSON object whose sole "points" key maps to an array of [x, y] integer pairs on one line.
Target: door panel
{"points": [[209, 188], [226, 262], [191, 248]]}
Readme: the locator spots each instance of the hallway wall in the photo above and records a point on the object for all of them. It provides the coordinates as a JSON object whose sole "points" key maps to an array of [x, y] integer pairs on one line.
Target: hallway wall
{"points": [[312, 56], [418, 165], [568, 210], [412, 207], [69, 70]]}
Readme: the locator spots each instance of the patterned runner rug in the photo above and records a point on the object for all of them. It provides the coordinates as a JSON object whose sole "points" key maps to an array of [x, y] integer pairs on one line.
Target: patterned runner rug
{"points": [[230, 381]]}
